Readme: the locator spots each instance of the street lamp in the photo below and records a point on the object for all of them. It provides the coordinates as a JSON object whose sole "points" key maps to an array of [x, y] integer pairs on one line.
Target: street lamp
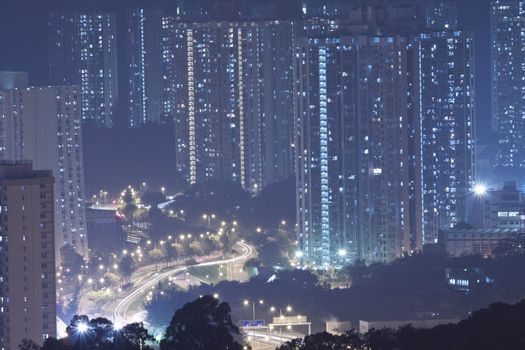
{"points": [[480, 190], [247, 302], [82, 327], [208, 217], [287, 309]]}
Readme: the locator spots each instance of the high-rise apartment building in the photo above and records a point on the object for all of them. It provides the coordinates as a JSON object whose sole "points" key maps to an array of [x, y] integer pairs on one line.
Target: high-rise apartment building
{"points": [[353, 156], [27, 271], [83, 52], [508, 80], [385, 158], [446, 95], [43, 124], [441, 14], [228, 87], [143, 67]]}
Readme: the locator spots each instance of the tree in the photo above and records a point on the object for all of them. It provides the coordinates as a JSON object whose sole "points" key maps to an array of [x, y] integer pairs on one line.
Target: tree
{"points": [[513, 244], [126, 266], [133, 337], [197, 248], [129, 206], [357, 272], [152, 198], [28, 344], [140, 215], [99, 297], [202, 325], [54, 344], [326, 341], [253, 263], [71, 260], [83, 333], [111, 278], [271, 254], [176, 250], [215, 242], [157, 254]]}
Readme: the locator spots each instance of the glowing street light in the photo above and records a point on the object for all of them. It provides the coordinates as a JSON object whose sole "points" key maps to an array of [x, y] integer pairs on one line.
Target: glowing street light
{"points": [[208, 217], [82, 327], [480, 190], [247, 302]]}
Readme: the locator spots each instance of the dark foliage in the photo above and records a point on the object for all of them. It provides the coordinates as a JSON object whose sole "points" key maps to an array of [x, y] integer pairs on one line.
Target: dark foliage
{"points": [[100, 333], [501, 326], [203, 324], [408, 288], [71, 260], [153, 198]]}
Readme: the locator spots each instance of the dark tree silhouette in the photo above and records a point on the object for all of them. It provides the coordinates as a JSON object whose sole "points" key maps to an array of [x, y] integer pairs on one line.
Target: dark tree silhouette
{"points": [[501, 326], [83, 333], [28, 344], [326, 341], [152, 198], [126, 265], [71, 260], [133, 337], [54, 344], [514, 244], [203, 324]]}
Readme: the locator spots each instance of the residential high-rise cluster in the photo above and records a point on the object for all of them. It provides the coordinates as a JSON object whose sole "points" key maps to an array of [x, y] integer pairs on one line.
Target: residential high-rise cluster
{"points": [[43, 125], [369, 103], [83, 52], [27, 271], [508, 80], [229, 88], [384, 133], [143, 88]]}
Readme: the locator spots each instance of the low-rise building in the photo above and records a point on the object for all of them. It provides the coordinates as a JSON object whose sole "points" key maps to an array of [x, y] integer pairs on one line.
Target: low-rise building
{"points": [[365, 326], [471, 241], [338, 327]]}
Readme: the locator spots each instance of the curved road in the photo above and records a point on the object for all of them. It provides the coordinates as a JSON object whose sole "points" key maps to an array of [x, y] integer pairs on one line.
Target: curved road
{"points": [[122, 307]]}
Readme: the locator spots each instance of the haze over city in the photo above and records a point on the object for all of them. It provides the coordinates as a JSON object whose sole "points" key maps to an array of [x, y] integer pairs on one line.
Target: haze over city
{"points": [[262, 174]]}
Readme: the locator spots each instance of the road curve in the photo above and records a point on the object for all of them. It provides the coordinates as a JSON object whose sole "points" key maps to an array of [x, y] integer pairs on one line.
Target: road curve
{"points": [[122, 307]]}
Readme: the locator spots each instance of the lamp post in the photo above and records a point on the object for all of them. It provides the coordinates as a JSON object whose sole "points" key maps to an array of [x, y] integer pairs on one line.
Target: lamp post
{"points": [[342, 254], [208, 217], [247, 302]]}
